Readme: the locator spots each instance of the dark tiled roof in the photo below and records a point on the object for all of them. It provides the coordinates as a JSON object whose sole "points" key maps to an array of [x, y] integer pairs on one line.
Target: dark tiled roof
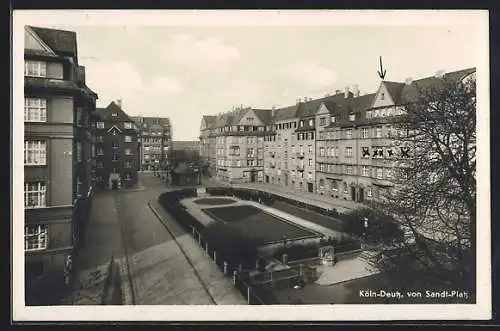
{"points": [[264, 115], [60, 41], [237, 116], [209, 120], [408, 92], [348, 106], [105, 114], [394, 89], [286, 113]]}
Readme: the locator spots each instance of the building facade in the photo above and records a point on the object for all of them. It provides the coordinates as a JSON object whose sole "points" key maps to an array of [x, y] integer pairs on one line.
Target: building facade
{"points": [[342, 146], [116, 148], [57, 151], [207, 145], [239, 145], [155, 136]]}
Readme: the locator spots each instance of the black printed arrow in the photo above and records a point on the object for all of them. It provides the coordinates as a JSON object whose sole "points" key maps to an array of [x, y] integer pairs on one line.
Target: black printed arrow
{"points": [[382, 71]]}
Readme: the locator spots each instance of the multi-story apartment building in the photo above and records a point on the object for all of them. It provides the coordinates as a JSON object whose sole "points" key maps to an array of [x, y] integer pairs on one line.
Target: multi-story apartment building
{"points": [[240, 145], [358, 152], [341, 146], [207, 144], [116, 147], [57, 151], [155, 136]]}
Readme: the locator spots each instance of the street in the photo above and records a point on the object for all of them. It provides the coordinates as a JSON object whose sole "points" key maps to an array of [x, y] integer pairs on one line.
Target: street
{"points": [[159, 270]]}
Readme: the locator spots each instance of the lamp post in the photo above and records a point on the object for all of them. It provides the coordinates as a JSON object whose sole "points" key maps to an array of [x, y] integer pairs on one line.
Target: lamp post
{"points": [[365, 229]]}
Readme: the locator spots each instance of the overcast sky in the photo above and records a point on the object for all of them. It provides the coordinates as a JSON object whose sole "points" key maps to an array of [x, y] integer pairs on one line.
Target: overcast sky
{"points": [[183, 72]]}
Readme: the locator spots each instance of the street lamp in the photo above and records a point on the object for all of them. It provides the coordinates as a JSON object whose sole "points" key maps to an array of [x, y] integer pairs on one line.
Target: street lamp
{"points": [[365, 229]]}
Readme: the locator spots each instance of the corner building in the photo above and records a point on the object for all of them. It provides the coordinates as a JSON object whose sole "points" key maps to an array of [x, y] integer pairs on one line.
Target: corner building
{"points": [[57, 154]]}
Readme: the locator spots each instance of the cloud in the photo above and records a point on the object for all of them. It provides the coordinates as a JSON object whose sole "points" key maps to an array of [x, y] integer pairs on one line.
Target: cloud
{"points": [[208, 54], [120, 80], [312, 76]]}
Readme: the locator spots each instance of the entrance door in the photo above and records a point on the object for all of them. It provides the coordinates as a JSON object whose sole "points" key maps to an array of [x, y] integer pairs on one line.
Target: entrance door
{"points": [[252, 176], [310, 187], [361, 194], [353, 193], [267, 178], [114, 184]]}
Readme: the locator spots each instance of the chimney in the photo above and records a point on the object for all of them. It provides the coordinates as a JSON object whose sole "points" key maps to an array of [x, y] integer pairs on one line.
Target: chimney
{"points": [[355, 90], [119, 102], [346, 92], [298, 100], [273, 111], [408, 81], [337, 91]]}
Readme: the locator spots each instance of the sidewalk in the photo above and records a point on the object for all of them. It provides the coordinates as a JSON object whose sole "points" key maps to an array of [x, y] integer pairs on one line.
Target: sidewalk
{"points": [[102, 241], [220, 287], [322, 201]]}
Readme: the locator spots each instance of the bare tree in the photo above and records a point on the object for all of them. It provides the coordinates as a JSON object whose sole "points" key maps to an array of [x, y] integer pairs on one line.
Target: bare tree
{"points": [[434, 197]]}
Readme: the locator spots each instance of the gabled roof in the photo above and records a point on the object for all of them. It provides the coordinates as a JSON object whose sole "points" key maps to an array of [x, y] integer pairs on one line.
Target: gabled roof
{"points": [[357, 105], [209, 120], [60, 41], [114, 127], [309, 108], [402, 92], [106, 114], [237, 116]]}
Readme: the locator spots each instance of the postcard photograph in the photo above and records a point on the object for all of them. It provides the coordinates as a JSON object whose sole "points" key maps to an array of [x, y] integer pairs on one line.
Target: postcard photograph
{"points": [[250, 165]]}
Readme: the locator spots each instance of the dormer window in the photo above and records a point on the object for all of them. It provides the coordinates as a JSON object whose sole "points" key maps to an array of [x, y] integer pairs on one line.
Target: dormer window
{"points": [[127, 125], [114, 114], [332, 119], [311, 122], [352, 117], [382, 96], [301, 124]]}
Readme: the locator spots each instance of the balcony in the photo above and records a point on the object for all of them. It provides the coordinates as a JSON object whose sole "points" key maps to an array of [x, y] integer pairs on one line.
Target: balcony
{"points": [[300, 155]]}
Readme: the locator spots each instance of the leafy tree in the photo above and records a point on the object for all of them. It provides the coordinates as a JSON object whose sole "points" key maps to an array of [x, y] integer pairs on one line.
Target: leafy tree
{"points": [[434, 197]]}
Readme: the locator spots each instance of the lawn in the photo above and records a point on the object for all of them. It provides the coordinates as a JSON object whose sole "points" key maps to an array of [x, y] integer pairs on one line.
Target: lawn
{"points": [[256, 223]]}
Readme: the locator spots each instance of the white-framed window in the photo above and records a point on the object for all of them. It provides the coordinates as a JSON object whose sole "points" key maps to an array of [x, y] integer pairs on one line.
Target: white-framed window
{"points": [[114, 157], [36, 237], [335, 185], [309, 149], [128, 164], [348, 134], [114, 114], [365, 171], [348, 170], [310, 162], [378, 132], [35, 68], [322, 121], [100, 125], [238, 163], [34, 194], [127, 125], [35, 110], [348, 152], [311, 122], [321, 151], [99, 138], [35, 152], [100, 151], [128, 139], [79, 155], [365, 133], [380, 173], [332, 119]]}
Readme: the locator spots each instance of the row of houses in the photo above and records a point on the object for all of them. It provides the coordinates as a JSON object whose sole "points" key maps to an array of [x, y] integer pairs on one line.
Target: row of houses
{"points": [[340, 146], [71, 147]]}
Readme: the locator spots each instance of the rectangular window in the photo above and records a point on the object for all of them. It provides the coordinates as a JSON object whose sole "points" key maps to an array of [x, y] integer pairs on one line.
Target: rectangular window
{"points": [[348, 134], [352, 117], [99, 139], [128, 151], [128, 139], [332, 119], [114, 157], [100, 125], [310, 162], [100, 151], [35, 110], [310, 149], [35, 152], [34, 194], [348, 152], [378, 132], [365, 171], [322, 121], [128, 164], [79, 155], [365, 133], [379, 173], [348, 170], [99, 165], [36, 237], [115, 144], [321, 151], [35, 68], [127, 125]]}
